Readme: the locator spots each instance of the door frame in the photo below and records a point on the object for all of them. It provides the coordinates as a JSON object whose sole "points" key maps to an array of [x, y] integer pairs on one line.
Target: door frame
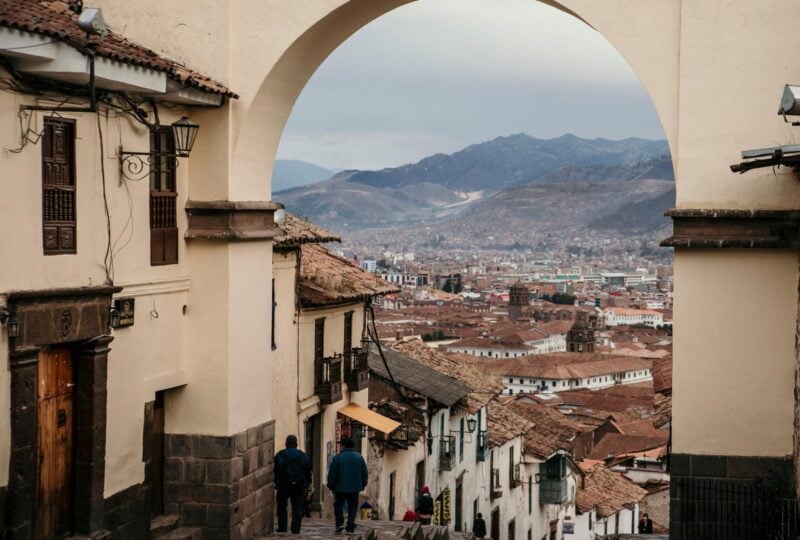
{"points": [[79, 319]]}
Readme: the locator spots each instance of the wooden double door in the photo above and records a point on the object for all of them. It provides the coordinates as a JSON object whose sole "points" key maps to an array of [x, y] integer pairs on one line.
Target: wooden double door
{"points": [[55, 440]]}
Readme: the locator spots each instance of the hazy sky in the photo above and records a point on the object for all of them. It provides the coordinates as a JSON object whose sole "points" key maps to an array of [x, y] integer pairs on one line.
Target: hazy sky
{"points": [[438, 75]]}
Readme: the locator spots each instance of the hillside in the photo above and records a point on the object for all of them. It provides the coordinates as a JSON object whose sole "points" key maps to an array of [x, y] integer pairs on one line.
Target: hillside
{"points": [[293, 173], [523, 180]]}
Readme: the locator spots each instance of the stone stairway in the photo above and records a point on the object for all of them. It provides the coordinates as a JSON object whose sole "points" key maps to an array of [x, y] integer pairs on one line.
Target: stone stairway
{"points": [[319, 529], [166, 528]]}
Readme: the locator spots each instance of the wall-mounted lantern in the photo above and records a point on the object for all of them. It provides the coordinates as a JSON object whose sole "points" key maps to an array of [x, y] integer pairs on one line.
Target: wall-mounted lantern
{"points": [[472, 425], [185, 132], [136, 165], [13, 326], [113, 317]]}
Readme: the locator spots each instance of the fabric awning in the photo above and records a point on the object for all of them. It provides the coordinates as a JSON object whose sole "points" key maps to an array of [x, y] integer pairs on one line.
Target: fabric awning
{"points": [[370, 418]]}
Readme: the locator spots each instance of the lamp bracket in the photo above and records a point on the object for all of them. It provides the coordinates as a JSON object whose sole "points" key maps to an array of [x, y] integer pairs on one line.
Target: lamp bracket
{"points": [[135, 166]]}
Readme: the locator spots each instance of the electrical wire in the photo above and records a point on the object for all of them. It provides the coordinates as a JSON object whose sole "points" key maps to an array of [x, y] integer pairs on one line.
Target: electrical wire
{"points": [[29, 46], [108, 260], [396, 386]]}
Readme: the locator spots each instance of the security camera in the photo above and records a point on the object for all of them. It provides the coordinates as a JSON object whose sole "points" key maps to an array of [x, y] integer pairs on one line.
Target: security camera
{"points": [[91, 21], [790, 101]]}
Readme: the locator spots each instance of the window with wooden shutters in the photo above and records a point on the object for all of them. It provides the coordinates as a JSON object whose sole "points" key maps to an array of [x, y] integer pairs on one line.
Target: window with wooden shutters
{"points": [[58, 187], [319, 339], [348, 332], [163, 199]]}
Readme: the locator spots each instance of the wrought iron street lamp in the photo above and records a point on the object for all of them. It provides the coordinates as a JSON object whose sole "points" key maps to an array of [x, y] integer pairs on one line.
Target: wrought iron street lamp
{"points": [[185, 132], [136, 165]]}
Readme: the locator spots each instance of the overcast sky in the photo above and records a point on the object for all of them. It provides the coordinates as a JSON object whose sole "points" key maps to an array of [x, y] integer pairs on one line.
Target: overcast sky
{"points": [[438, 75]]}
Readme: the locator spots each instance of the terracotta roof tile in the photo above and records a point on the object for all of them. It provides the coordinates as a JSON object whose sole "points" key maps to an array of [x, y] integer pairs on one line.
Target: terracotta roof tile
{"points": [[505, 425], [55, 19], [563, 365], [417, 376], [606, 491], [662, 374], [552, 430], [484, 387], [297, 231], [617, 444], [327, 279]]}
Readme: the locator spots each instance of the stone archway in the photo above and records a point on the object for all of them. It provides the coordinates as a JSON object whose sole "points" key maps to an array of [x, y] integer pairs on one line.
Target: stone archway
{"points": [[264, 109]]}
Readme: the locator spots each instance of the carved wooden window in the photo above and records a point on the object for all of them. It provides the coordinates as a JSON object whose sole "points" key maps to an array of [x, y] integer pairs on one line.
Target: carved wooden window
{"points": [[58, 187], [319, 339], [348, 332], [163, 199]]}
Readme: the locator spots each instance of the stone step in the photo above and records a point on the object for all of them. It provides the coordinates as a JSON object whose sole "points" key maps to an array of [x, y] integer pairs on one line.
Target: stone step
{"points": [[161, 525], [181, 533]]}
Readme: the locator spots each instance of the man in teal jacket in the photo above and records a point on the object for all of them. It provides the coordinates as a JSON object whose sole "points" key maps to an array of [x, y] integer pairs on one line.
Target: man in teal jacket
{"points": [[347, 477]]}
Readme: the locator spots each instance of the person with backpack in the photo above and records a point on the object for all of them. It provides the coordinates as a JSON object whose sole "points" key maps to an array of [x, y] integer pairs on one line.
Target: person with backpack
{"points": [[479, 526], [347, 477], [425, 506], [292, 478]]}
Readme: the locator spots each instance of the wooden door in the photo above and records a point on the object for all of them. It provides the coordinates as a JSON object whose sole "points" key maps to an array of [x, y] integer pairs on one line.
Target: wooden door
{"points": [[55, 439], [459, 510], [496, 524], [157, 456]]}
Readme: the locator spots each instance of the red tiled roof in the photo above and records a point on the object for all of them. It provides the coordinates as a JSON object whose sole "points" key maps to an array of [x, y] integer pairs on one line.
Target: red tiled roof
{"points": [[662, 374], [504, 425], [552, 430], [563, 366], [327, 279], [296, 231], [606, 491], [484, 387], [55, 19], [617, 444]]}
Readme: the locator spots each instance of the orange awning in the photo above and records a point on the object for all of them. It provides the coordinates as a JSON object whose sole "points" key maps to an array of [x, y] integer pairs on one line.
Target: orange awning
{"points": [[370, 418]]}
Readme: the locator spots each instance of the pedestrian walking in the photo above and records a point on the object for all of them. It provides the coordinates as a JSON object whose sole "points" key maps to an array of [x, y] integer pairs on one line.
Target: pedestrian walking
{"points": [[292, 478], [645, 524], [425, 506], [347, 477], [479, 527]]}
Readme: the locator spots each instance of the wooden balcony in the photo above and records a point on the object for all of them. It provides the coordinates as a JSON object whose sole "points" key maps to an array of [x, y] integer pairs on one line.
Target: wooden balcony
{"points": [[553, 491], [356, 369], [328, 379]]}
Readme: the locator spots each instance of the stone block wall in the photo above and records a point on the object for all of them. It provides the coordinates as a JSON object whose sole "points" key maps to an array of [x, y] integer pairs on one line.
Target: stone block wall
{"points": [[657, 507], [222, 483]]}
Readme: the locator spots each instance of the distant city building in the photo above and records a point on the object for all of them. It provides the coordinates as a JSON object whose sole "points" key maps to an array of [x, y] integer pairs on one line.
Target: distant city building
{"points": [[615, 316]]}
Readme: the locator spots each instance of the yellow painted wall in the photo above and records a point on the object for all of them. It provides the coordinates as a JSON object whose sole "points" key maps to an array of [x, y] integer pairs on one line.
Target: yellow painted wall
{"points": [[733, 376]]}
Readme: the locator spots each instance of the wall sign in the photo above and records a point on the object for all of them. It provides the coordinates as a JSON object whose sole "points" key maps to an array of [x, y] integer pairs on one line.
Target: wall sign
{"points": [[126, 308], [569, 527]]}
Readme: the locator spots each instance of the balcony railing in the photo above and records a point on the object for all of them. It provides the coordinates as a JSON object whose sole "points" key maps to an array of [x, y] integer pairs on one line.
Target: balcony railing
{"points": [[496, 488], [515, 476], [483, 446], [356, 369], [552, 491], [328, 379], [447, 453]]}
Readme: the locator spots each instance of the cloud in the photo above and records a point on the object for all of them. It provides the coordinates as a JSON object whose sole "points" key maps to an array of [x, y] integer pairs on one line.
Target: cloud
{"points": [[437, 75]]}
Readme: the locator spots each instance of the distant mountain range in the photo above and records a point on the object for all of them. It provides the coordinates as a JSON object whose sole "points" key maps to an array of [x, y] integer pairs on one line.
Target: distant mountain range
{"points": [[519, 181], [293, 173]]}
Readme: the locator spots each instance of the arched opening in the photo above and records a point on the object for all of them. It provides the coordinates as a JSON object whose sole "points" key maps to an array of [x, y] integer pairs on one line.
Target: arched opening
{"points": [[281, 89], [650, 48]]}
